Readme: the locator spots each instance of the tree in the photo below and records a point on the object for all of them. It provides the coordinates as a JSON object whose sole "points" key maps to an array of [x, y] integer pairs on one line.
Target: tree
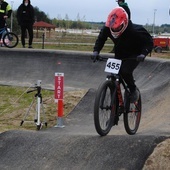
{"points": [[41, 16]]}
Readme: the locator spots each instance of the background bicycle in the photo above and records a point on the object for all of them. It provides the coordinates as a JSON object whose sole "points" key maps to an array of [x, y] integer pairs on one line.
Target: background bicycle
{"points": [[110, 103], [9, 39]]}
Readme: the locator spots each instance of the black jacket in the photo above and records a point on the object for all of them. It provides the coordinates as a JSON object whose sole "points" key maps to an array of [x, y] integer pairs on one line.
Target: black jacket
{"points": [[25, 14], [134, 41]]}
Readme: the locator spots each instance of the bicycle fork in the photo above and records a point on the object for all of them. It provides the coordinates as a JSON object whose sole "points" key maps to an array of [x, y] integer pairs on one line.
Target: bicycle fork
{"points": [[121, 108]]}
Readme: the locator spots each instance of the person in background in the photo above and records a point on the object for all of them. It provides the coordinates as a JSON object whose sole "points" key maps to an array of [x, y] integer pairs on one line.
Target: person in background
{"points": [[125, 6], [5, 12], [130, 41], [25, 17]]}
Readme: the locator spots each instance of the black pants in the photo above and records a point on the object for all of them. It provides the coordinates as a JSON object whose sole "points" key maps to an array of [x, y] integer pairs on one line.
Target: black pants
{"points": [[29, 28], [127, 68]]}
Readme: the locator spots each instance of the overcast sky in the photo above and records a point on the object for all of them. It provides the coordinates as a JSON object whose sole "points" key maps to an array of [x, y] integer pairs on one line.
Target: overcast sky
{"points": [[142, 11]]}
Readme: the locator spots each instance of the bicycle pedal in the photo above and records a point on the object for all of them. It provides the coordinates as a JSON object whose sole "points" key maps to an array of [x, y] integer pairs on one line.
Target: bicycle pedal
{"points": [[121, 110], [116, 120]]}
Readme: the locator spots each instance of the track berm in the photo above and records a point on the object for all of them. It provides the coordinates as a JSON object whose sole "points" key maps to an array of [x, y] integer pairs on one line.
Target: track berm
{"points": [[78, 146]]}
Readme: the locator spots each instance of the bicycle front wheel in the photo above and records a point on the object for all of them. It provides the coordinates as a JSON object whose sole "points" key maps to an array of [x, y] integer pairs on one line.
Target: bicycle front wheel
{"points": [[105, 108], [132, 117], [10, 40]]}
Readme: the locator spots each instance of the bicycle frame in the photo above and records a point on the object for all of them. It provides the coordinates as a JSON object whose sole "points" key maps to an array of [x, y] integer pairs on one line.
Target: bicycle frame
{"points": [[8, 39], [4, 29], [118, 80]]}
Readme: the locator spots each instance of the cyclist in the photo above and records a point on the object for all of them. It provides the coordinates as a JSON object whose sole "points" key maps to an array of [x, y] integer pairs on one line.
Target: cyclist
{"points": [[130, 41], [5, 12]]}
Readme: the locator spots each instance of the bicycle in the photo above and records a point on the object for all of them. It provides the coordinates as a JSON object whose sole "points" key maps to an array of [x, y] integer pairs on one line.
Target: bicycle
{"points": [[110, 104], [9, 39]]}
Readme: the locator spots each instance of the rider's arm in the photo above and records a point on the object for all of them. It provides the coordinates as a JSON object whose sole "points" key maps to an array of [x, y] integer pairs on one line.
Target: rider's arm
{"points": [[146, 42], [9, 11], [147, 48], [101, 39]]}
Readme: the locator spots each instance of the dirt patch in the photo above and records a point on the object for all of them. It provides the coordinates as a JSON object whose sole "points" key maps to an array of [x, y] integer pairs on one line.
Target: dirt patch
{"points": [[13, 109], [160, 158]]}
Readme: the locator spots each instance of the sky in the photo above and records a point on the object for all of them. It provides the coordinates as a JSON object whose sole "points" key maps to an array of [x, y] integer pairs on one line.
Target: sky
{"points": [[142, 11]]}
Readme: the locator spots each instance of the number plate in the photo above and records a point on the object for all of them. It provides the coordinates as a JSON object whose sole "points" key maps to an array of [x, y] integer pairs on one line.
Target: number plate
{"points": [[113, 65]]}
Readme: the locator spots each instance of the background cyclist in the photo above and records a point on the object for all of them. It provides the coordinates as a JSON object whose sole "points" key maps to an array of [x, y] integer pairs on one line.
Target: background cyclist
{"points": [[5, 12], [125, 6]]}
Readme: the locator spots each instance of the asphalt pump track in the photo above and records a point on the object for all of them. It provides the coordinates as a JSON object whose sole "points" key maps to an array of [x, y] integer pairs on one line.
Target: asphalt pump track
{"points": [[78, 146]]}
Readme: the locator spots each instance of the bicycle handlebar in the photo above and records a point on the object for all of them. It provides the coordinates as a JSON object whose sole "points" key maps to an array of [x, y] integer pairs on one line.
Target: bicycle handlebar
{"points": [[100, 58], [103, 58]]}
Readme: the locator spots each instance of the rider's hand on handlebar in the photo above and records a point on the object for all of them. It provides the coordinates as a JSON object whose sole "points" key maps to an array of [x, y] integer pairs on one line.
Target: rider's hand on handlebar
{"points": [[95, 56], [140, 57]]}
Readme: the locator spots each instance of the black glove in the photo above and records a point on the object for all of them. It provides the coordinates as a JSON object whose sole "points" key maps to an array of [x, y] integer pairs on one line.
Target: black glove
{"points": [[140, 57], [95, 56]]}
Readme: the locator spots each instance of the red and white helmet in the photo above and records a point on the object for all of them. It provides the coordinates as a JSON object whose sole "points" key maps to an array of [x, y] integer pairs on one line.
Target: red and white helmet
{"points": [[117, 21]]}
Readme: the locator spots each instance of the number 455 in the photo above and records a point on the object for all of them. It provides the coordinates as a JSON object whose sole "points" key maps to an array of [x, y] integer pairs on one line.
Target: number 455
{"points": [[112, 65]]}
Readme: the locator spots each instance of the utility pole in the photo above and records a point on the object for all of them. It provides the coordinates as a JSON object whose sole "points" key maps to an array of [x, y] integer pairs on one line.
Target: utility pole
{"points": [[154, 21], [12, 2]]}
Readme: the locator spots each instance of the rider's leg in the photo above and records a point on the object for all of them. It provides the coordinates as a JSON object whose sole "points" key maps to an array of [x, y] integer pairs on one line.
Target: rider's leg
{"points": [[128, 66]]}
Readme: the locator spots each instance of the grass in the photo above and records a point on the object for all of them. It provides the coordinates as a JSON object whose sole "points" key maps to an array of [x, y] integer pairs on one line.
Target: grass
{"points": [[68, 46], [68, 41], [76, 42], [15, 102]]}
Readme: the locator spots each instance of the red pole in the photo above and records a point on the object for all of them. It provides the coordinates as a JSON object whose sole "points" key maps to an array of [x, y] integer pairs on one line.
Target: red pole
{"points": [[60, 108], [59, 92]]}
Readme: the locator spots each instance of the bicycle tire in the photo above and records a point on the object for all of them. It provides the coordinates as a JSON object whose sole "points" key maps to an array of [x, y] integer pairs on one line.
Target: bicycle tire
{"points": [[105, 108], [132, 116], [10, 40]]}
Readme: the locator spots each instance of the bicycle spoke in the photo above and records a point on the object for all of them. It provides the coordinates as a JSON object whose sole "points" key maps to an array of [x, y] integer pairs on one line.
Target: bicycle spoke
{"points": [[10, 40], [104, 109], [132, 118]]}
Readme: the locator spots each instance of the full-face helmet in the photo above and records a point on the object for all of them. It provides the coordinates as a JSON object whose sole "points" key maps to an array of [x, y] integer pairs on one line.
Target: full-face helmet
{"points": [[117, 21]]}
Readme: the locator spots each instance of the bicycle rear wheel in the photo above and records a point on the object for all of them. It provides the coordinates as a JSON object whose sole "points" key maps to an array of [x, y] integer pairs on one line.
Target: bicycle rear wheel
{"points": [[10, 40], [132, 116], [105, 108]]}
